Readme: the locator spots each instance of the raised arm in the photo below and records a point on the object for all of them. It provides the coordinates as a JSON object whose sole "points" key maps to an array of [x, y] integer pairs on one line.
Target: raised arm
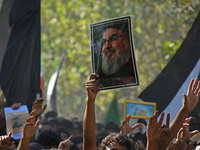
{"points": [[126, 128], [190, 101], [155, 132], [29, 131], [89, 122]]}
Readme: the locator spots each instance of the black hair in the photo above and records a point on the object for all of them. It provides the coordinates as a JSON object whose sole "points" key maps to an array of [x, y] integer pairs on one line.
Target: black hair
{"points": [[121, 139], [35, 146], [49, 138], [65, 123], [50, 114], [120, 25], [112, 126], [142, 121]]}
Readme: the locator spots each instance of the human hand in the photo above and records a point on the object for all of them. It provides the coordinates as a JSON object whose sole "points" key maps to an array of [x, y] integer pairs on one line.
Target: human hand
{"points": [[5, 141], [155, 131], [184, 132], [30, 126], [192, 97], [37, 105], [139, 145], [15, 106], [126, 128], [92, 86], [66, 145], [179, 145]]}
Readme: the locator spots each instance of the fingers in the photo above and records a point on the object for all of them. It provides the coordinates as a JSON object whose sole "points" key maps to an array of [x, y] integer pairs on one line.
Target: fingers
{"points": [[33, 113], [4, 139], [194, 84], [93, 75], [136, 125], [194, 132], [170, 144], [92, 85], [190, 146], [128, 118], [179, 134], [167, 120], [197, 90], [44, 108], [187, 120], [70, 137], [37, 124], [30, 119], [16, 106], [161, 118], [190, 85], [9, 134]]}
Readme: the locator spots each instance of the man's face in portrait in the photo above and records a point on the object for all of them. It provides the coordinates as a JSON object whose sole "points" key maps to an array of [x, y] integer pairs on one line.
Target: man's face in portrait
{"points": [[116, 51]]}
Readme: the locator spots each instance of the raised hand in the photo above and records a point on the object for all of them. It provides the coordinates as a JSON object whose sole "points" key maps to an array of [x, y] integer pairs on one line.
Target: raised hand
{"points": [[5, 141], [192, 97], [31, 126], [139, 145], [126, 128], [37, 105], [184, 132], [92, 86], [179, 145], [155, 131], [66, 145]]}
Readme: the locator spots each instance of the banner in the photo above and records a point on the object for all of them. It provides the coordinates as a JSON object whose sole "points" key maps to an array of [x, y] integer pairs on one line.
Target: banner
{"points": [[20, 71], [164, 88]]}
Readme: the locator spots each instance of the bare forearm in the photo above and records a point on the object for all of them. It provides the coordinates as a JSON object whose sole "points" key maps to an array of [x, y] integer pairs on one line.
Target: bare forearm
{"points": [[23, 144], [177, 123], [152, 145], [89, 126]]}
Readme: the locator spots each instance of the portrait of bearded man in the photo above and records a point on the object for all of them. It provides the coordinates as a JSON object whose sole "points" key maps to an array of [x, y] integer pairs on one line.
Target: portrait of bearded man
{"points": [[114, 64], [116, 51]]}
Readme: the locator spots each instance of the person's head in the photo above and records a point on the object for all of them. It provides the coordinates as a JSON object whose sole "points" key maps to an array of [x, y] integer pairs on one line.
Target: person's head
{"points": [[112, 127], [117, 141], [142, 127], [78, 141], [100, 136], [50, 114], [65, 123], [64, 133], [116, 50], [49, 139], [35, 146], [54, 121], [46, 125]]}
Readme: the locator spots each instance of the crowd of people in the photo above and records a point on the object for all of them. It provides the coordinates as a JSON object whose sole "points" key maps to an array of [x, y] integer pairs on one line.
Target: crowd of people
{"points": [[53, 132]]}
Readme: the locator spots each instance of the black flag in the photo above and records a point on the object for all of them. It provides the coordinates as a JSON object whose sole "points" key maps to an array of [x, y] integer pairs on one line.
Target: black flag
{"points": [[20, 71], [182, 67]]}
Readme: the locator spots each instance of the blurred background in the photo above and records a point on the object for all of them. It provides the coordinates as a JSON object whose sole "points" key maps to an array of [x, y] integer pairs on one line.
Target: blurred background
{"points": [[159, 27]]}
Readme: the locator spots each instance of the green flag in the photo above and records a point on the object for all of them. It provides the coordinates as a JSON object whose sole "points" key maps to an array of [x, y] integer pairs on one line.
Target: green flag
{"points": [[113, 113]]}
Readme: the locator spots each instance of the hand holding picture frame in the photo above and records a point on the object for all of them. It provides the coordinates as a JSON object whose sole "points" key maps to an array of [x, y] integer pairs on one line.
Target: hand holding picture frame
{"points": [[112, 53]]}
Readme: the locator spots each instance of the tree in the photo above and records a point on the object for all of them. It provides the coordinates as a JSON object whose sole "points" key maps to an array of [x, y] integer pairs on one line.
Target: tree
{"points": [[159, 27]]}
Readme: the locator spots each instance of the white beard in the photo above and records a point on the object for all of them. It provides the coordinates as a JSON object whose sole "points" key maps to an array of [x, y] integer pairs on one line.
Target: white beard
{"points": [[112, 66]]}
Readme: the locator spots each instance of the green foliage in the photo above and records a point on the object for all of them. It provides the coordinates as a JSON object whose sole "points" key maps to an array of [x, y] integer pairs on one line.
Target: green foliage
{"points": [[159, 28]]}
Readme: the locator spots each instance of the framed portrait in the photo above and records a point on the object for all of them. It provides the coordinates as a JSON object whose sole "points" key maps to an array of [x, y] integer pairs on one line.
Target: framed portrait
{"points": [[139, 109], [112, 52], [15, 120], [144, 122]]}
